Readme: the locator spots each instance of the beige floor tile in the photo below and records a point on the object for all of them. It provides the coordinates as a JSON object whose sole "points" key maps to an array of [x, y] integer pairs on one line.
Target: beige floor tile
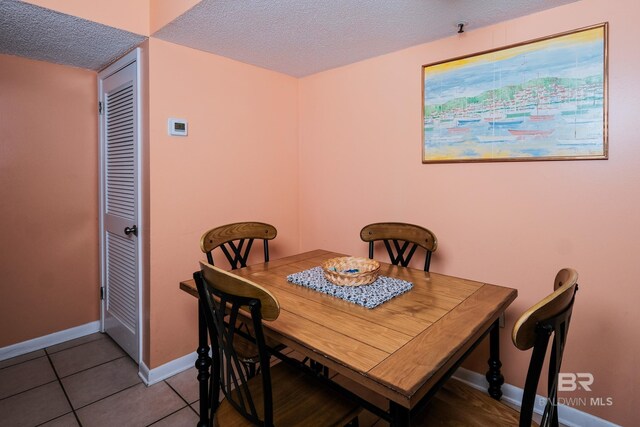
{"points": [[24, 376], [186, 384], [183, 418], [33, 407], [76, 342], [22, 358], [135, 406], [85, 356], [68, 420], [196, 407], [96, 383]]}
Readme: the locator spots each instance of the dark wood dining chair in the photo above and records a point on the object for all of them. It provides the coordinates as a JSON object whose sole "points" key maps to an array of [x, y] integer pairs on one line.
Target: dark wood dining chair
{"points": [[401, 241], [235, 242], [280, 395], [460, 405]]}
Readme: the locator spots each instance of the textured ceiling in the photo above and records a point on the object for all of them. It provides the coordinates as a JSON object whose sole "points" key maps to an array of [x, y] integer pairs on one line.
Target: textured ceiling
{"points": [[302, 37], [296, 37], [38, 33]]}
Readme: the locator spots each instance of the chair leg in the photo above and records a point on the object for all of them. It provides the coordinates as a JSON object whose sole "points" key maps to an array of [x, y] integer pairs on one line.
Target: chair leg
{"points": [[214, 401]]}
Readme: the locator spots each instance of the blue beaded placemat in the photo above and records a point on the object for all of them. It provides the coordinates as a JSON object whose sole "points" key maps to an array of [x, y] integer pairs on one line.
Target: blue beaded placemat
{"points": [[369, 296]]}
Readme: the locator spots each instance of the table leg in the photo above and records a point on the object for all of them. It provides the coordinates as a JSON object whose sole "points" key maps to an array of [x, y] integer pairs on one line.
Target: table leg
{"points": [[400, 416], [202, 364], [494, 377]]}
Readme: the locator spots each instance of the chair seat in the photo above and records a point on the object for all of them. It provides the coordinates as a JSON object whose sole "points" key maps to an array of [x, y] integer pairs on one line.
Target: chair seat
{"points": [[460, 405], [298, 399]]}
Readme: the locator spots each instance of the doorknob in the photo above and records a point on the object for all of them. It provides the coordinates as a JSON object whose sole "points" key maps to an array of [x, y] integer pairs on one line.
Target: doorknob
{"points": [[131, 230]]}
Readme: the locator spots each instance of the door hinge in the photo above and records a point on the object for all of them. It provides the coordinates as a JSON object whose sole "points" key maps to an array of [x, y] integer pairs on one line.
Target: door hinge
{"points": [[100, 107], [101, 293]]}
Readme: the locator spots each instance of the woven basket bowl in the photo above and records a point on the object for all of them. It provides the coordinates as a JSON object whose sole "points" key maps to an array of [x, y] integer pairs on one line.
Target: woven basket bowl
{"points": [[337, 271]]}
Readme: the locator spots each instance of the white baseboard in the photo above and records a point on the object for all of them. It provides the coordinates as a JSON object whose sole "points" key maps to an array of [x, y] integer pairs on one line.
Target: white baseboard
{"points": [[48, 340], [149, 376], [567, 415], [162, 372]]}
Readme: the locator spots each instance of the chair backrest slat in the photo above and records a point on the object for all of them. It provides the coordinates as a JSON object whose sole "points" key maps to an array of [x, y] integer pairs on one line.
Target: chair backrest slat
{"points": [[231, 239], [546, 319], [223, 296], [405, 238], [524, 331]]}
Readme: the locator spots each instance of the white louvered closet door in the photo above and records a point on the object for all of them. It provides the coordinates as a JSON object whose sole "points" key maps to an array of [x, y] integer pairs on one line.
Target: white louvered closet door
{"points": [[120, 266]]}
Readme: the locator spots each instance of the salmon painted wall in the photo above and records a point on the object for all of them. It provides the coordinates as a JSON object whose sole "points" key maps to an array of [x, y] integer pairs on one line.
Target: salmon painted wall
{"points": [[165, 11], [238, 163], [138, 16], [129, 15], [513, 224], [49, 211]]}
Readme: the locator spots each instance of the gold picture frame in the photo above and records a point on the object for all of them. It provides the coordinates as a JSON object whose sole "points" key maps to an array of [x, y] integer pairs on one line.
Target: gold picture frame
{"points": [[544, 99]]}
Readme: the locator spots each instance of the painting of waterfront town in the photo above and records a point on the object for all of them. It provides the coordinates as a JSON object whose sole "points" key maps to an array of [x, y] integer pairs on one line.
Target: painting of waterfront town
{"points": [[541, 100]]}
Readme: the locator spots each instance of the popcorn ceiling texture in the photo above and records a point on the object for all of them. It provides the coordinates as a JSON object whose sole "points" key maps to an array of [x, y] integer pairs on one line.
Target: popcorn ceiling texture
{"points": [[295, 37], [39, 33], [302, 37]]}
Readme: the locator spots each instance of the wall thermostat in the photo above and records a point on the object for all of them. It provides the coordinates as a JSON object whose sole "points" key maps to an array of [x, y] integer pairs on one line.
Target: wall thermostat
{"points": [[178, 127]]}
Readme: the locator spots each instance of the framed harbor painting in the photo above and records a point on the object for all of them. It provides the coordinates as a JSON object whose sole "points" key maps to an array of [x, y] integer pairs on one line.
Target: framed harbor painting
{"points": [[540, 100]]}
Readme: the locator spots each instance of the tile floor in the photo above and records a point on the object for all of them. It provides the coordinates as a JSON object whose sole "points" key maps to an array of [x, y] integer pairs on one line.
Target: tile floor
{"points": [[91, 382], [87, 382]]}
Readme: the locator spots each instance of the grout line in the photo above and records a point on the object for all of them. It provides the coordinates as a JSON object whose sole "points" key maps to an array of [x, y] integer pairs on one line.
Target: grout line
{"points": [[95, 366], [62, 387], [24, 391], [20, 363], [189, 405], [183, 399], [167, 416], [107, 396], [194, 411], [176, 392], [53, 419], [46, 349]]}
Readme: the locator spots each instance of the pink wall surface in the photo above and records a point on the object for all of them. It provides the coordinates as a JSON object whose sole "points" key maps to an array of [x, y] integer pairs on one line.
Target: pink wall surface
{"points": [[513, 224], [165, 11], [49, 174], [238, 163], [138, 16], [130, 15]]}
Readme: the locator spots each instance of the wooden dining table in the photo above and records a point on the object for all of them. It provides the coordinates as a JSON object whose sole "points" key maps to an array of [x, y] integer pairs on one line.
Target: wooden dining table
{"points": [[402, 350]]}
